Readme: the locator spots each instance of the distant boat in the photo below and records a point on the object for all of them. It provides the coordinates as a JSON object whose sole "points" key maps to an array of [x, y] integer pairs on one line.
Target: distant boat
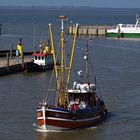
{"points": [[126, 30], [76, 107], [42, 59]]}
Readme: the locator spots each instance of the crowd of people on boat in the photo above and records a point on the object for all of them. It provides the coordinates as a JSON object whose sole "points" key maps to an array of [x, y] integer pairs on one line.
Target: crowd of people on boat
{"points": [[44, 48], [84, 87], [77, 104], [83, 104]]}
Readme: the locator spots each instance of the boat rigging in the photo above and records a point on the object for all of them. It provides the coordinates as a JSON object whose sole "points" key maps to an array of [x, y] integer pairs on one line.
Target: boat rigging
{"points": [[76, 107]]}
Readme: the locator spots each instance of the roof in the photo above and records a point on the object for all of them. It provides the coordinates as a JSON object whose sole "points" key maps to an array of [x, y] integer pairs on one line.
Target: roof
{"points": [[79, 91], [41, 55]]}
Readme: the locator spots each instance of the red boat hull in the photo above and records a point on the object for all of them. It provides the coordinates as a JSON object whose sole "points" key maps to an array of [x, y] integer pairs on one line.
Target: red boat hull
{"points": [[64, 124], [51, 119]]}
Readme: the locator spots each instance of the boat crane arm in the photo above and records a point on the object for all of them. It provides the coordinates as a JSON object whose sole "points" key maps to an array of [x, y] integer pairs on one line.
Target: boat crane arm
{"points": [[72, 55], [54, 56]]}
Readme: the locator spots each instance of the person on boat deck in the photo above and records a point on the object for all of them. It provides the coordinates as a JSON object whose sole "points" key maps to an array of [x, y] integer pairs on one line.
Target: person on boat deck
{"points": [[47, 43], [82, 105], [75, 106], [77, 101], [65, 105], [98, 102], [41, 47], [102, 103], [93, 100]]}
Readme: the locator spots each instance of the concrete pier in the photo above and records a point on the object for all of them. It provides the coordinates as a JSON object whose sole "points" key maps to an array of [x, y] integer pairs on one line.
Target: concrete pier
{"points": [[11, 62], [90, 30], [8, 66], [12, 52]]}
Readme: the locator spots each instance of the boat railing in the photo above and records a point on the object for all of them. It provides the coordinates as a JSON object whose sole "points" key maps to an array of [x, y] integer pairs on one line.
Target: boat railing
{"points": [[138, 25], [128, 25], [84, 87]]}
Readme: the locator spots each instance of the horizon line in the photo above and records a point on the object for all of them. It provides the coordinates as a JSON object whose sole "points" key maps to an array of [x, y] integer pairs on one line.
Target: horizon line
{"points": [[48, 6]]}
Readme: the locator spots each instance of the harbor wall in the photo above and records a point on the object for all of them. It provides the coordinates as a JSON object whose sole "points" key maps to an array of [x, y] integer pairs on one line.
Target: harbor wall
{"points": [[90, 30], [11, 69]]}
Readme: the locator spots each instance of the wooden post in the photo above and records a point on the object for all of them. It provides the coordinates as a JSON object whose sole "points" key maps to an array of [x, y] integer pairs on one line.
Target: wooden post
{"points": [[11, 51], [0, 28], [97, 31], [105, 31], [22, 61], [87, 31], [7, 61], [70, 30]]}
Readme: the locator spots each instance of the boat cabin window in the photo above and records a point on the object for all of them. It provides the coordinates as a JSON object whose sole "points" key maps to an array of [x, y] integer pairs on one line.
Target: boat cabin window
{"points": [[35, 57], [42, 58], [128, 25], [39, 58]]}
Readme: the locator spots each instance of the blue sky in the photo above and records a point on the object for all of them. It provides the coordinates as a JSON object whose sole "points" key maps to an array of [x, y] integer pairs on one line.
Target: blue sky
{"points": [[93, 3]]}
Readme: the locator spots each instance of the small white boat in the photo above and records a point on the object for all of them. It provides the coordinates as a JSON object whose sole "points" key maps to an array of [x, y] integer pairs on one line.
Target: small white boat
{"points": [[125, 30], [42, 59]]}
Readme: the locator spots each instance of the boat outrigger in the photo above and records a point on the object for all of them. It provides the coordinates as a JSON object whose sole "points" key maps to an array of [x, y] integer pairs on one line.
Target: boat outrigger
{"points": [[126, 30], [75, 108]]}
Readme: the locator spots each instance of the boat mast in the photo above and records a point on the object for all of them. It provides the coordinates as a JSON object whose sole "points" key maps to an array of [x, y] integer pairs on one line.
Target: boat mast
{"points": [[61, 84], [54, 57], [62, 87], [72, 55], [86, 63]]}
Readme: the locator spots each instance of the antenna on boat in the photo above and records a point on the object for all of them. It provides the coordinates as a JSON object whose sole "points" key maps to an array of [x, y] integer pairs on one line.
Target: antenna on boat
{"points": [[34, 40], [95, 82], [86, 62]]}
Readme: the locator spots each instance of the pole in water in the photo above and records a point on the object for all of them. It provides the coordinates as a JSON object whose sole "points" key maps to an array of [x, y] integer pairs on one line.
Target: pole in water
{"points": [[0, 28], [22, 61], [11, 51], [7, 61]]}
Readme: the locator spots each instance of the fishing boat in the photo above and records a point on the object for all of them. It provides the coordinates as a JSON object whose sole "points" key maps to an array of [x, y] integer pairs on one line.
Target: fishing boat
{"points": [[74, 108], [126, 30], [42, 59]]}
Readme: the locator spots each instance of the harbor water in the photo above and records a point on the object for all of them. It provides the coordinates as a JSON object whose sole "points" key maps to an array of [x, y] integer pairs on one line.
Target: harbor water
{"points": [[115, 64]]}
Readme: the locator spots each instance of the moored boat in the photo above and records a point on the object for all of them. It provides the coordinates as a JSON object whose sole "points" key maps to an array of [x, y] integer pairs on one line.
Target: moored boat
{"points": [[125, 30], [42, 59], [76, 107]]}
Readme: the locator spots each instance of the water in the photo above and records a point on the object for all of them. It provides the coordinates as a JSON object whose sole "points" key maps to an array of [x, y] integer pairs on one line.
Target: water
{"points": [[116, 66]]}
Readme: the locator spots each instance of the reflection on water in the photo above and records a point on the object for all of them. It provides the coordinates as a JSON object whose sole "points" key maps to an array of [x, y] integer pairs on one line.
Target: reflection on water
{"points": [[90, 133], [115, 64]]}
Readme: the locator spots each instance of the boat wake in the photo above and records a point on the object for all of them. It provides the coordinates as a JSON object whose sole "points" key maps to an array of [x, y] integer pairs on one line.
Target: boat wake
{"points": [[39, 129], [92, 127]]}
